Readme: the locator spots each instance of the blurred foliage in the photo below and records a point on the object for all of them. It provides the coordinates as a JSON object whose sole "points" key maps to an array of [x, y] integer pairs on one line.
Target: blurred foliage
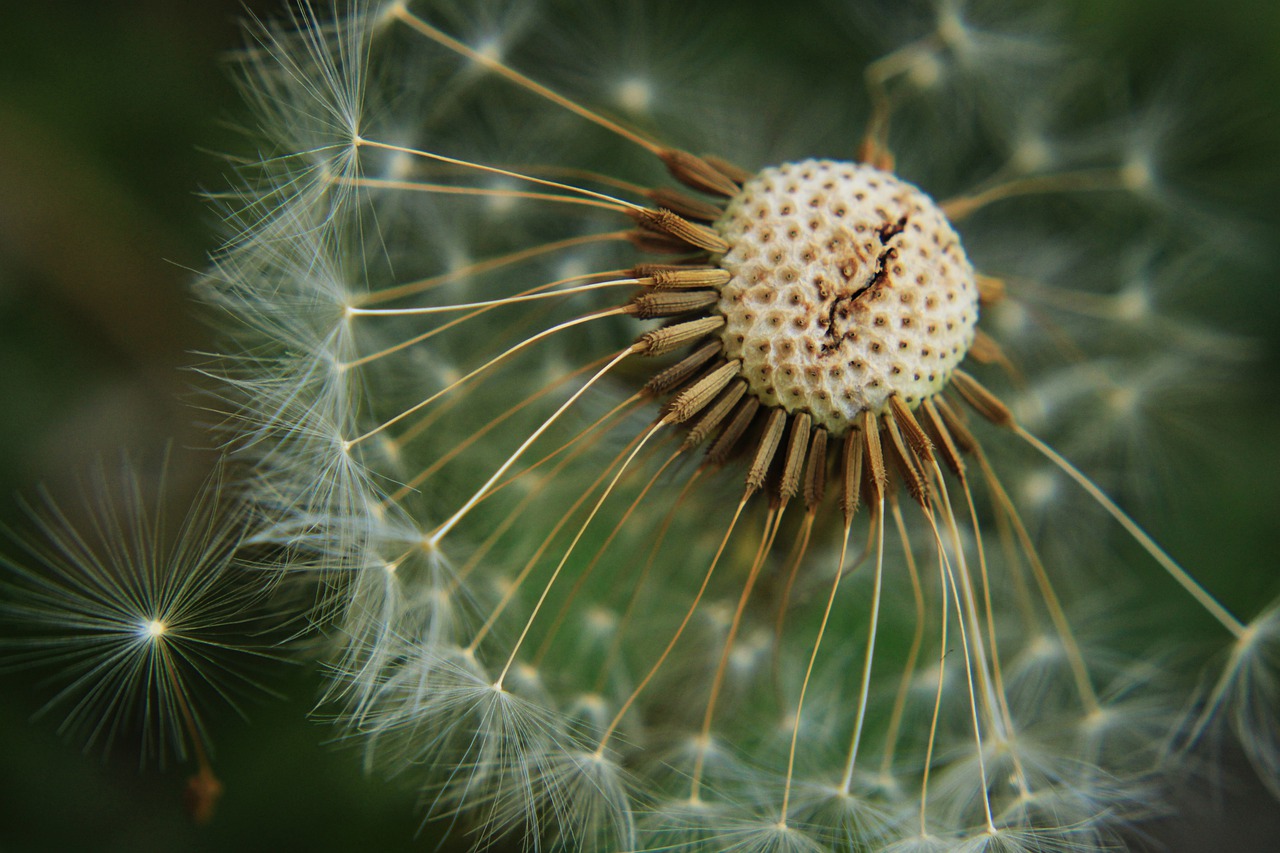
{"points": [[108, 114]]}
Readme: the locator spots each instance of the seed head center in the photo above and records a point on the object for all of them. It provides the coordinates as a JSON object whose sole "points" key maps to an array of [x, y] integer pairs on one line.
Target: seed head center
{"points": [[847, 286]]}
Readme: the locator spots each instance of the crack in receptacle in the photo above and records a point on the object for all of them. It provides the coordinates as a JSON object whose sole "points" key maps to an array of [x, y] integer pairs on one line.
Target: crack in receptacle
{"points": [[880, 275], [889, 230]]}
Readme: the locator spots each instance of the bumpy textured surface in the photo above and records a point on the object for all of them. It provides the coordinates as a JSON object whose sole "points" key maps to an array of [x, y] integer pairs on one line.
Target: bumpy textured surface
{"points": [[848, 286]]}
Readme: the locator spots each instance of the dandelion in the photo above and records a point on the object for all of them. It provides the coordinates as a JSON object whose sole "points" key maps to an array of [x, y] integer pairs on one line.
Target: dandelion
{"points": [[660, 499], [143, 628]]}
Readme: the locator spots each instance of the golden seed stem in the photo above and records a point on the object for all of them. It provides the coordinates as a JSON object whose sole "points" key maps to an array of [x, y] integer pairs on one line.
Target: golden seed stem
{"points": [[484, 192], [669, 338], [693, 606], [671, 224], [502, 69], [911, 430], [808, 673], [685, 205], [563, 613], [494, 170], [917, 641], [868, 658], [1179, 574], [634, 599], [712, 416], [981, 400], [671, 303], [448, 525], [513, 588], [480, 267], [696, 172], [1084, 180], [670, 279], [765, 450], [545, 333], [582, 529], [990, 289], [877, 479], [772, 521], [942, 440], [793, 467], [696, 397], [815, 479], [851, 473], [733, 172], [720, 449], [954, 422], [1080, 671], [422, 476], [494, 303], [675, 375], [908, 464]]}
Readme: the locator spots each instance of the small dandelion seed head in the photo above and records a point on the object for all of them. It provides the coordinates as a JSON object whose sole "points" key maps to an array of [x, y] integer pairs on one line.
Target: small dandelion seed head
{"points": [[138, 618]]}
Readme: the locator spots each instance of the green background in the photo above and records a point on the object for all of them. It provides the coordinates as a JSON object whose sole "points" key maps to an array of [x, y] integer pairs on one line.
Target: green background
{"points": [[111, 117]]}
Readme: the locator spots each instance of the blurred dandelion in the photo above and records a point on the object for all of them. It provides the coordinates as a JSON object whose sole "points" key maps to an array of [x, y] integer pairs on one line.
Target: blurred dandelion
{"points": [[485, 311], [143, 627]]}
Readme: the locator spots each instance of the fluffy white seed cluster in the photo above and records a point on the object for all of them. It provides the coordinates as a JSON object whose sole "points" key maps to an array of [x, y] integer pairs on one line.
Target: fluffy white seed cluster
{"points": [[849, 286]]}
